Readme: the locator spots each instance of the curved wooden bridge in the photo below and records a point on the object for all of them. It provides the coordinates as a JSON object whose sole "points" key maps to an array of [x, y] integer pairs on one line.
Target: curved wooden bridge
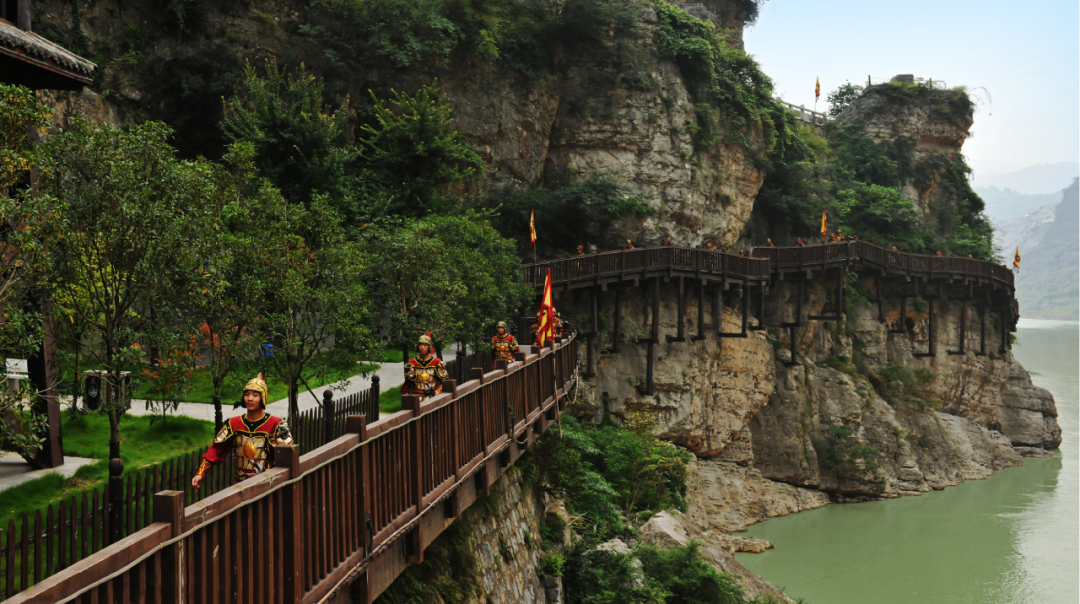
{"points": [[350, 514], [708, 272]]}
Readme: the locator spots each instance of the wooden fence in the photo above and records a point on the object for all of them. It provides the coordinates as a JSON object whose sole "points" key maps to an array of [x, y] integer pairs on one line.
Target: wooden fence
{"points": [[53, 538], [592, 266], [299, 531]]}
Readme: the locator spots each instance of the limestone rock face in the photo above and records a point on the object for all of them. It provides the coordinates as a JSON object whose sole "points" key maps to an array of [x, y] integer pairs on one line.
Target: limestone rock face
{"points": [[634, 122], [959, 426], [705, 392], [729, 498]]}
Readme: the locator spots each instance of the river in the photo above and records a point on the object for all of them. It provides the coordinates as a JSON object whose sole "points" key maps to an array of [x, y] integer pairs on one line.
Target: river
{"points": [[1013, 538]]}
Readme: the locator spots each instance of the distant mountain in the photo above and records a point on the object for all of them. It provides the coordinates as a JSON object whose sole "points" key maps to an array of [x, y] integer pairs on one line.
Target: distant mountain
{"points": [[1032, 180], [1048, 285], [1006, 204]]}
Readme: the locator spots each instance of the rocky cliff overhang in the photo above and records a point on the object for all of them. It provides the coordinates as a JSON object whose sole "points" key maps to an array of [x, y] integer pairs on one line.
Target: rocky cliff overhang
{"points": [[29, 60]]}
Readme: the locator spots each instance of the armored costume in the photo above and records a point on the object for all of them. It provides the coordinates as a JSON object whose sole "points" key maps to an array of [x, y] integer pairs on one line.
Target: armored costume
{"points": [[503, 346], [424, 373], [251, 442]]}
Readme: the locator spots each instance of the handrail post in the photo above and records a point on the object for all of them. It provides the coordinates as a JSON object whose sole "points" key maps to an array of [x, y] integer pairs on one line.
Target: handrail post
{"points": [[416, 476], [375, 398], [292, 534], [169, 508], [328, 415]]}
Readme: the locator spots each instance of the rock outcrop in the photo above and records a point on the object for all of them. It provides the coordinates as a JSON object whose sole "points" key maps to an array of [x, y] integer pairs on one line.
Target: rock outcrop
{"points": [[667, 531]]}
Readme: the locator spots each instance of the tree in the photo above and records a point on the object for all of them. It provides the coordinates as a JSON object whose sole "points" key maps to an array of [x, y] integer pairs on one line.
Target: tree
{"points": [[229, 311], [412, 154], [299, 143], [23, 220], [315, 294], [840, 98], [126, 246], [451, 275]]}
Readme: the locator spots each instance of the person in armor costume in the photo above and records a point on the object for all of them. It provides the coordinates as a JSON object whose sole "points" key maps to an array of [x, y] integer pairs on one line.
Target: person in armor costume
{"points": [[250, 437], [503, 345], [424, 373], [558, 325]]}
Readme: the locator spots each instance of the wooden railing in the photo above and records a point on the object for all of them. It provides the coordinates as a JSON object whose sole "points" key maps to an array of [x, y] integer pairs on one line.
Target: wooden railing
{"points": [[296, 532], [581, 268], [796, 257]]}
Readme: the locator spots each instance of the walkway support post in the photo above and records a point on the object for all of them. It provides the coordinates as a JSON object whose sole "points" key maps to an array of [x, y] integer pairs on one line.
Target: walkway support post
{"points": [[700, 312], [681, 337], [653, 339]]}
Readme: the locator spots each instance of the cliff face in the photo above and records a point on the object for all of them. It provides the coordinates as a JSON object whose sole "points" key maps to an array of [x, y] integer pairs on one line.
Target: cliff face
{"points": [[621, 112]]}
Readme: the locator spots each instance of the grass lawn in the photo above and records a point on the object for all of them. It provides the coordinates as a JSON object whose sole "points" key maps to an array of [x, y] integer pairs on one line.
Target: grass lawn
{"points": [[390, 400], [202, 391], [141, 444], [389, 355]]}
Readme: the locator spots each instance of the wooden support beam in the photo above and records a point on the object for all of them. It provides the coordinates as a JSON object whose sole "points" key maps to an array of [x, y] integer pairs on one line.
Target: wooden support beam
{"points": [[798, 304], [880, 298], [617, 333], [760, 310], [743, 293], [653, 340], [963, 331], [700, 312], [681, 337], [590, 338], [792, 335]]}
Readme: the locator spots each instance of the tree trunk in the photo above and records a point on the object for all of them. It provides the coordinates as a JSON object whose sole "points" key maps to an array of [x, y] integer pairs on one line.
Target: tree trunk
{"points": [[114, 433], [294, 397]]}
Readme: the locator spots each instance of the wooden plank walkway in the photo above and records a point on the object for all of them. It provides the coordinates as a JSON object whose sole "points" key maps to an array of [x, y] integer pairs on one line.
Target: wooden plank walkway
{"points": [[354, 511]]}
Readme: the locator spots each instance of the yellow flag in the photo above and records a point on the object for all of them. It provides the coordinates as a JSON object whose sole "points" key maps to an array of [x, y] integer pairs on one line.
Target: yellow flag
{"points": [[546, 327], [823, 223], [1016, 260]]}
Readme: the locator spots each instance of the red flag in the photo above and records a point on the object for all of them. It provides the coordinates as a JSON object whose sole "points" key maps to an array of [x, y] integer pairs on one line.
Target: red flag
{"points": [[823, 222], [546, 327], [1016, 261], [817, 89], [532, 227]]}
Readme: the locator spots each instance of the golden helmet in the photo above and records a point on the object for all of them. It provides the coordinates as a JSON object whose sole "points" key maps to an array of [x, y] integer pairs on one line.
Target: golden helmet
{"points": [[258, 384], [425, 339], [501, 324]]}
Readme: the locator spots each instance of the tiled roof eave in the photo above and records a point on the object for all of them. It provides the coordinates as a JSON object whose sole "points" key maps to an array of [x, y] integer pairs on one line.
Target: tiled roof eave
{"points": [[32, 48]]}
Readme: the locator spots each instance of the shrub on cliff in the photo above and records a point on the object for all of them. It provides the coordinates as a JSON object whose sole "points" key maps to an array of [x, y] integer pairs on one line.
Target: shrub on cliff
{"points": [[647, 575], [848, 459], [606, 473]]}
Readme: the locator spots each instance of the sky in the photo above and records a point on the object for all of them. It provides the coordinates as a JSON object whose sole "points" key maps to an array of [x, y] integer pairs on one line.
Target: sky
{"points": [[1020, 60]]}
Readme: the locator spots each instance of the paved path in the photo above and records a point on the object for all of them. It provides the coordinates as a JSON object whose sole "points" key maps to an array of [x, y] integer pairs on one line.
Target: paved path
{"points": [[391, 375], [14, 469]]}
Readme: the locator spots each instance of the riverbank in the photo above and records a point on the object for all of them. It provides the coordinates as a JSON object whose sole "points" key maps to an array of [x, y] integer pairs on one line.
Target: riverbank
{"points": [[1010, 538]]}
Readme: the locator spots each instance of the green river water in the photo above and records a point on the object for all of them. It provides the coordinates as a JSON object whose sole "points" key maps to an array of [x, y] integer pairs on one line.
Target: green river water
{"points": [[1013, 538]]}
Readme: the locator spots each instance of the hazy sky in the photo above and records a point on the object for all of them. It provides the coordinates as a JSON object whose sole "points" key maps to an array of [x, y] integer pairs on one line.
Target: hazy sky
{"points": [[1026, 55]]}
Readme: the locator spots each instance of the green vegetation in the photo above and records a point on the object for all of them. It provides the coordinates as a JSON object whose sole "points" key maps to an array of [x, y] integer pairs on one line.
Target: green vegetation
{"points": [[848, 459], [646, 576], [609, 473], [902, 386], [725, 78], [448, 571], [857, 182], [840, 98], [526, 36], [24, 217], [452, 276], [596, 203]]}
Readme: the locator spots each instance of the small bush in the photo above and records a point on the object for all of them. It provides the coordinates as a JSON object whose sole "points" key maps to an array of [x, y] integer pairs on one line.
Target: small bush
{"points": [[899, 385], [839, 454]]}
